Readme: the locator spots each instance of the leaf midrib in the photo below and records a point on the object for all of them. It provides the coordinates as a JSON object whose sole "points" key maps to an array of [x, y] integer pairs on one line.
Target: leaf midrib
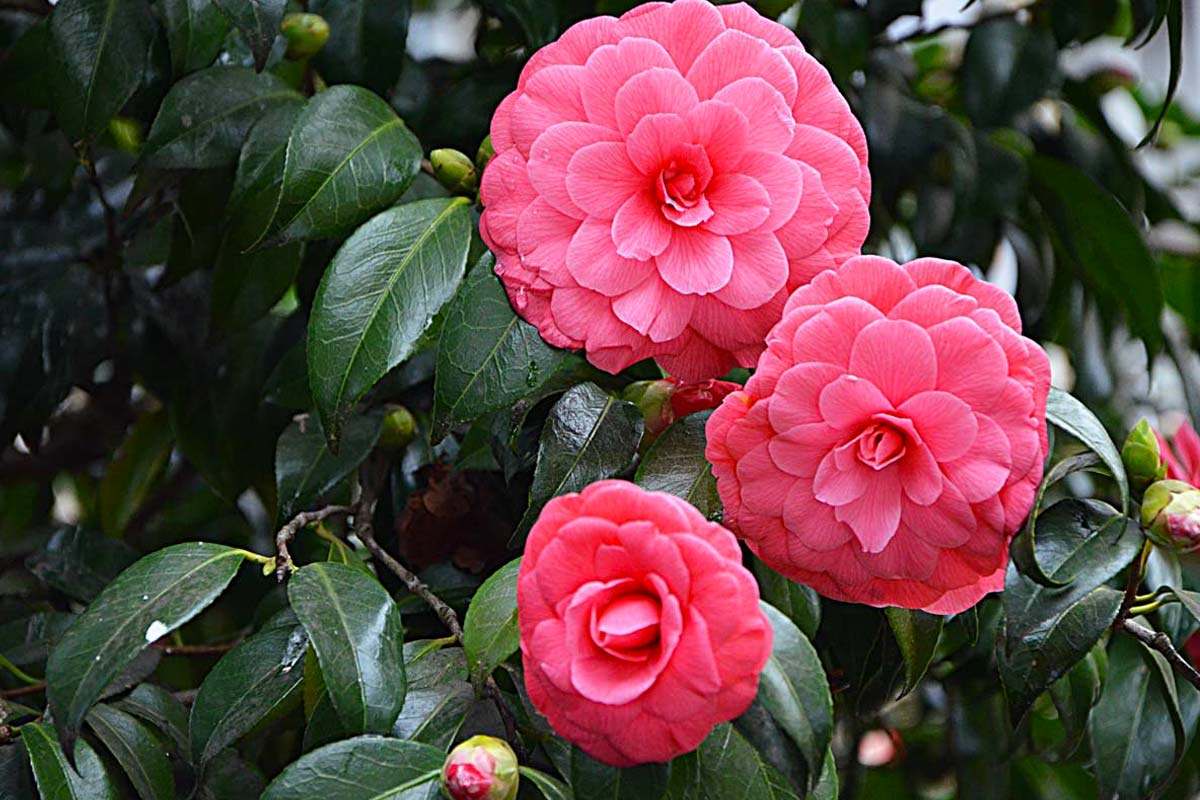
{"points": [[337, 607], [609, 402]]}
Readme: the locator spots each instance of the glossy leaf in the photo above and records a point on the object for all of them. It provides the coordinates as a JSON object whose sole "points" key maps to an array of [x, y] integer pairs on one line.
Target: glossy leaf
{"points": [[1076, 693], [356, 631], [1024, 545], [797, 602], [147, 601], [136, 749], [204, 118], [348, 157], [259, 176], [488, 357], [160, 708], [593, 780], [379, 295], [363, 768], [550, 788], [56, 778], [99, 49], [80, 562], [306, 471], [196, 29], [793, 688], [1065, 412], [917, 634], [1006, 67], [258, 21], [245, 686], [490, 633], [675, 464], [363, 37], [726, 766], [438, 697], [590, 435], [132, 474]]}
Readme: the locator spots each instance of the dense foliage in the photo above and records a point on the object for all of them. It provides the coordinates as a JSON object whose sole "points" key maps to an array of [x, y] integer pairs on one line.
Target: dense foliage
{"points": [[273, 436]]}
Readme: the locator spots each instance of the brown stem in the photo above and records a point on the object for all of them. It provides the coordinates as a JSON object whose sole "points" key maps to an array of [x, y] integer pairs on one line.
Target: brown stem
{"points": [[283, 559], [1159, 641], [24, 690], [1132, 583], [110, 214]]}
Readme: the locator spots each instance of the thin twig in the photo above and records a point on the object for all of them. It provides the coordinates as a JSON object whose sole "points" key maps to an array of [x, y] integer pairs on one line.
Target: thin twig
{"points": [[1133, 582], [283, 558], [110, 214], [1159, 641], [24, 690]]}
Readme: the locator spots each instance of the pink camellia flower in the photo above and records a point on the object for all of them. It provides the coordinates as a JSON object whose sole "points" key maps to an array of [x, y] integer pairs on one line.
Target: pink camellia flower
{"points": [[640, 628], [662, 181], [1182, 454], [892, 438]]}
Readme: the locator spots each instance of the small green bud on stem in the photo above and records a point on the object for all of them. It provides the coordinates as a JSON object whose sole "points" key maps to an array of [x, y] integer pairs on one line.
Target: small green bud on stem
{"points": [[454, 171], [1143, 462], [399, 427], [306, 34]]}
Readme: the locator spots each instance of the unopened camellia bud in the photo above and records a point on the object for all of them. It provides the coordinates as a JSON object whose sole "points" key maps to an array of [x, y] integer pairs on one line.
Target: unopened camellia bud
{"points": [[454, 170], [481, 768], [1171, 515], [306, 34], [666, 400], [484, 154], [1143, 462], [398, 428]]}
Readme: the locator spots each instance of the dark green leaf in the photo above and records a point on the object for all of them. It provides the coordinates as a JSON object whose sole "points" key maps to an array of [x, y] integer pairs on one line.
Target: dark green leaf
{"points": [[1006, 67], [259, 175], [438, 697], [16, 777], [726, 766], [917, 634], [244, 687], [258, 21], [364, 768], [355, 628], [147, 601], [676, 464], [363, 37], [827, 787], [196, 30], [798, 603], [1024, 545], [80, 562], [592, 780], [99, 48], [348, 157], [1047, 630], [1099, 239], [136, 749], [1174, 18], [537, 19], [56, 779], [1065, 412], [550, 788], [160, 708], [488, 357], [248, 285], [204, 118], [793, 688], [305, 470], [1074, 695], [230, 777], [590, 435], [1131, 729], [379, 295], [137, 466], [490, 632], [26, 642]]}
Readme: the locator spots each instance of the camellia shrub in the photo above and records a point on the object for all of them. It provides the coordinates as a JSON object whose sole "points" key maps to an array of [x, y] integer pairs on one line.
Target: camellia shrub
{"points": [[596, 400]]}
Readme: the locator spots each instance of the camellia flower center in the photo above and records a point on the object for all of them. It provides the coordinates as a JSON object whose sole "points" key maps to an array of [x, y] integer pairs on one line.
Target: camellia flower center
{"points": [[628, 627], [680, 186], [880, 445]]}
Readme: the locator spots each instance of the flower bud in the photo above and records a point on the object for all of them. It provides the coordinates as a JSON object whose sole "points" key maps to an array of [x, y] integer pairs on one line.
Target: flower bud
{"points": [[306, 34], [481, 768], [126, 134], [1143, 463], [484, 154], [454, 170], [398, 429], [666, 400], [1171, 515]]}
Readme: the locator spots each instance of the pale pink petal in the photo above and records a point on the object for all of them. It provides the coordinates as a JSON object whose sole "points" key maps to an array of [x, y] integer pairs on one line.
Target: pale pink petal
{"points": [[607, 70], [919, 474], [655, 91], [929, 305], [829, 336], [983, 470], [576, 44], [592, 260], [684, 27], [971, 365], [760, 270], [551, 96], [783, 179], [808, 227], [836, 486], [550, 155], [505, 192], [501, 128], [739, 205], [654, 310], [799, 392], [543, 236], [742, 17], [734, 55], [850, 401], [639, 230], [938, 270], [695, 262], [895, 356], [946, 424], [828, 155], [875, 516], [722, 131], [764, 107], [600, 178], [654, 140]]}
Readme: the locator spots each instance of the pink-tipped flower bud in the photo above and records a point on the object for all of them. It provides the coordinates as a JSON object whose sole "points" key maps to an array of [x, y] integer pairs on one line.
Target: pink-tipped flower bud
{"points": [[666, 400], [481, 768], [1171, 515], [1143, 461]]}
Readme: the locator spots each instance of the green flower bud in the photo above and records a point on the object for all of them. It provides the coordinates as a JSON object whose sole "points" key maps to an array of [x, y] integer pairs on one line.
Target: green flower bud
{"points": [[653, 399], [398, 429], [484, 154], [306, 34], [481, 768], [454, 171], [126, 133], [1143, 463], [1171, 515]]}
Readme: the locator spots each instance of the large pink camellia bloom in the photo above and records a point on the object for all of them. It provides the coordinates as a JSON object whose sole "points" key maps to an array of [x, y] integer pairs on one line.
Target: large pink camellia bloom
{"points": [[640, 628], [662, 181], [892, 438]]}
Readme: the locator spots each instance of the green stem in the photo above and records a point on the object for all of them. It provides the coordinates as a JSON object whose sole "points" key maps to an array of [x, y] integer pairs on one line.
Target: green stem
{"points": [[1147, 608], [17, 672], [267, 562]]}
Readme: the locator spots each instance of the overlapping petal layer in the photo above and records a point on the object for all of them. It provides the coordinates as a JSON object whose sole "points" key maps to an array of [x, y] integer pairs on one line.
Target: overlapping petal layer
{"points": [[662, 181]]}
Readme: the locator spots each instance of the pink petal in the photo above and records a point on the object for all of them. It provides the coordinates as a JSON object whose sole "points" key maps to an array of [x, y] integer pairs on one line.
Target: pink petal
{"points": [[983, 470], [797, 394], [550, 155], [875, 279], [684, 28], [609, 68], [734, 55], [723, 132], [802, 513], [764, 107], [543, 236], [1187, 444], [808, 226], [739, 205], [654, 310], [875, 516], [946, 424], [829, 336], [501, 128], [919, 474], [639, 230], [849, 227], [655, 91], [696, 262], [576, 44], [697, 358], [925, 271], [828, 155], [653, 141], [835, 486], [600, 178], [820, 104], [929, 305], [760, 271], [783, 179], [895, 356], [593, 261], [741, 17], [505, 192], [849, 402], [550, 96], [971, 365]]}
